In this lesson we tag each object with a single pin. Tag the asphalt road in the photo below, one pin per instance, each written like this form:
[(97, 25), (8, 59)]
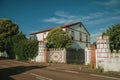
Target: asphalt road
[(16, 70)]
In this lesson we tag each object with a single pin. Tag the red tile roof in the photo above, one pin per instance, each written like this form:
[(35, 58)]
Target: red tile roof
[(65, 26)]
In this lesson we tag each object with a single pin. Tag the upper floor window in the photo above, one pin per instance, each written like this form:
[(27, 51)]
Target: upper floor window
[(87, 45), (86, 38), (72, 35), (44, 36), (80, 36), (80, 26), (33, 37)]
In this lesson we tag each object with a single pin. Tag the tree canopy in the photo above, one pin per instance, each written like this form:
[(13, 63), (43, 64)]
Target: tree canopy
[(57, 38), (7, 29), (114, 34), (15, 42)]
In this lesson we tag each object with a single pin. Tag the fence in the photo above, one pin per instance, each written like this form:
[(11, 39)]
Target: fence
[(56, 55), (111, 62), (59, 55), (75, 56)]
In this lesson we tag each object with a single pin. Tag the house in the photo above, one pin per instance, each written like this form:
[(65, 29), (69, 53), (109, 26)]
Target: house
[(76, 31)]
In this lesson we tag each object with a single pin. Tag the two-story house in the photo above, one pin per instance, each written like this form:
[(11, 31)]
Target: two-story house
[(76, 31)]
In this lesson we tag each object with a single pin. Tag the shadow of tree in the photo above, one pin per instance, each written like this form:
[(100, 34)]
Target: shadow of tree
[(5, 73)]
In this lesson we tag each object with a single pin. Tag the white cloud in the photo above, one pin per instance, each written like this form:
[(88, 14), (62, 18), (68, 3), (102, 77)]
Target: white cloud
[(108, 3), (93, 15), (64, 14), (58, 20), (62, 17), (116, 17), (99, 21), (112, 2)]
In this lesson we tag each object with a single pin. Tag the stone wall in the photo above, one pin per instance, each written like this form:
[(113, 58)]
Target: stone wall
[(111, 63), (106, 59)]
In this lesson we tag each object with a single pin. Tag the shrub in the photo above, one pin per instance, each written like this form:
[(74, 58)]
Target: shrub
[(21, 48), (99, 69), (26, 50)]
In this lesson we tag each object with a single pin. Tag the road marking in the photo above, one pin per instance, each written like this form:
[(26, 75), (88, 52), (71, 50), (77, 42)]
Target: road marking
[(68, 71), (71, 71), (24, 73), (105, 76), (40, 77)]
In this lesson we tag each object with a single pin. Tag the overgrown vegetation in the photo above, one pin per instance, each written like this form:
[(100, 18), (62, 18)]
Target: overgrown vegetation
[(26, 49), (57, 38), (7, 29), (91, 68), (15, 43), (114, 34), (10, 43), (99, 69)]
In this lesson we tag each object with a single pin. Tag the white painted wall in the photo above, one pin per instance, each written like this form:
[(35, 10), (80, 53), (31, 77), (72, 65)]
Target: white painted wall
[(110, 63), (40, 56), (4, 54), (87, 56), (40, 36), (53, 55), (104, 58)]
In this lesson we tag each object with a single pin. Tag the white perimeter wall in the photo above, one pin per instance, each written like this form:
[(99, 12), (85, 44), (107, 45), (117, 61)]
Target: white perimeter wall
[(3, 54), (109, 63)]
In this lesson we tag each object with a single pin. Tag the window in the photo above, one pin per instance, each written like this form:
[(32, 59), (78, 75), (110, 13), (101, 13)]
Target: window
[(72, 35), (80, 36), (86, 38), (33, 37), (44, 36), (80, 26), (86, 45)]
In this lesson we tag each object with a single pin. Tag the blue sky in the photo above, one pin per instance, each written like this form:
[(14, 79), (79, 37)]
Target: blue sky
[(36, 15)]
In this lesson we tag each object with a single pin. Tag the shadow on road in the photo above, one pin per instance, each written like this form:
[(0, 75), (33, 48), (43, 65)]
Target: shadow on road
[(5, 73)]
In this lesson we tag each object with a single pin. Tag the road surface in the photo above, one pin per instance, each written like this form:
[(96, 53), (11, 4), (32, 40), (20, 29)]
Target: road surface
[(16, 70)]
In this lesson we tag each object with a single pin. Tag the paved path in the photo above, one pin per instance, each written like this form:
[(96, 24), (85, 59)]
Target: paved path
[(16, 70)]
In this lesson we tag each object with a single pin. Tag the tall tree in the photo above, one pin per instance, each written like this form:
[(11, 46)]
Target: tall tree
[(10, 43), (114, 34), (57, 38), (7, 29)]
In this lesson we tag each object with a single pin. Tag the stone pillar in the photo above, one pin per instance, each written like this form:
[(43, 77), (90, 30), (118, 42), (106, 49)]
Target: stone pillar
[(93, 56), (45, 55)]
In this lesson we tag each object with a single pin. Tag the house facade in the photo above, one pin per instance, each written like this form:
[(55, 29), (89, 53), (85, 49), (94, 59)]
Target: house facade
[(76, 32)]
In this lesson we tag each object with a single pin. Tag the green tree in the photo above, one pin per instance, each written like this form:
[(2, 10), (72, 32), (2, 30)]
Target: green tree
[(57, 38), (15, 43), (114, 34), (7, 29), (10, 43), (26, 49)]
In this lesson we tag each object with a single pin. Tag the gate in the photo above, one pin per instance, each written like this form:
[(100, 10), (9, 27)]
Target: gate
[(57, 55), (75, 57)]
